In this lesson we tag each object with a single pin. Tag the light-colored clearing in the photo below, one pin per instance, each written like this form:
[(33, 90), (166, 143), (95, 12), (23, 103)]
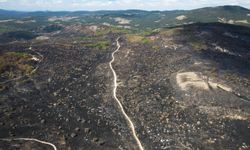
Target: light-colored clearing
[(242, 21), (181, 17), (187, 80), (64, 18), (42, 38), (224, 50), (224, 20), (120, 20), (27, 21), (93, 28), (198, 63), (3, 21), (231, 21), (173, 46), (190, 79), (35, 58), (157, 21), (106, 24)]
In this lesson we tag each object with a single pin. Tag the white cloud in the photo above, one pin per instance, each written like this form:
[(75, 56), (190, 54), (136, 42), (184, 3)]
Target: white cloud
[(3, 1)]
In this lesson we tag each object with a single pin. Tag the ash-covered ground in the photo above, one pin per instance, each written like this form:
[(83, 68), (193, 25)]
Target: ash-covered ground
[(184, 88)]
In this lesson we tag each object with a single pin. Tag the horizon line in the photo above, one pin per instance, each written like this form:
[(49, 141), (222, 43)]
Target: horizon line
[(135, 9)]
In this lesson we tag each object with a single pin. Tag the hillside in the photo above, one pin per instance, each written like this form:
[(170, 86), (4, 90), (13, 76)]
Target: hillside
[(130, 18), (117, 79)]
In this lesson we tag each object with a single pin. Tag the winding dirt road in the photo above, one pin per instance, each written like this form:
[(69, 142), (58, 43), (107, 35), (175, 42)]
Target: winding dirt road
[(31, 139), (131, 125)]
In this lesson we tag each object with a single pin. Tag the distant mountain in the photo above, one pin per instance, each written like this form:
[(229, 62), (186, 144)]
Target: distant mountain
[(11, 12), (224, 14), (221, 13), (146, 19)]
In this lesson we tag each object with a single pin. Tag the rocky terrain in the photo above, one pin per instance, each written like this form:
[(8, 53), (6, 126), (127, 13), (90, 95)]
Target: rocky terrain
[(187, 93), (183, 87)]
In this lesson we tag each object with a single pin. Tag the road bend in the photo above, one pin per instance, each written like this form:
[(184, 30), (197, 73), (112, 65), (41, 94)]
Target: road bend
[(31, 139), (131, 124)]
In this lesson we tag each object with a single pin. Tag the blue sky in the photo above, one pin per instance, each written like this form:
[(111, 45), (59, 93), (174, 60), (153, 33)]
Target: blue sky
[(32, 5)]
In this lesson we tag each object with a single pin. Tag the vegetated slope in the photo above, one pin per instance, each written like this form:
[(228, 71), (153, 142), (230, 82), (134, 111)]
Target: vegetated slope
[(130, 18), (212, 14)]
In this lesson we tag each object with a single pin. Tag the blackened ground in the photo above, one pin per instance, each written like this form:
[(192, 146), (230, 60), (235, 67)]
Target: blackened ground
[(68, 101), (168, 117)]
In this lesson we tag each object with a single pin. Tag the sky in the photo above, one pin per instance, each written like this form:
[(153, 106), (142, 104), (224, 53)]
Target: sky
[(71, 5)]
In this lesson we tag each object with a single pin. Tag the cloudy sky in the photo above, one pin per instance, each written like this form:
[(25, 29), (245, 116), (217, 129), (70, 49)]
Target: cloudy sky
[(31, 5)]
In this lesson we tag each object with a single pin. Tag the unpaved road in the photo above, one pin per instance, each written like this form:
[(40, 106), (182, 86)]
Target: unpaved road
[(131, 125)]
